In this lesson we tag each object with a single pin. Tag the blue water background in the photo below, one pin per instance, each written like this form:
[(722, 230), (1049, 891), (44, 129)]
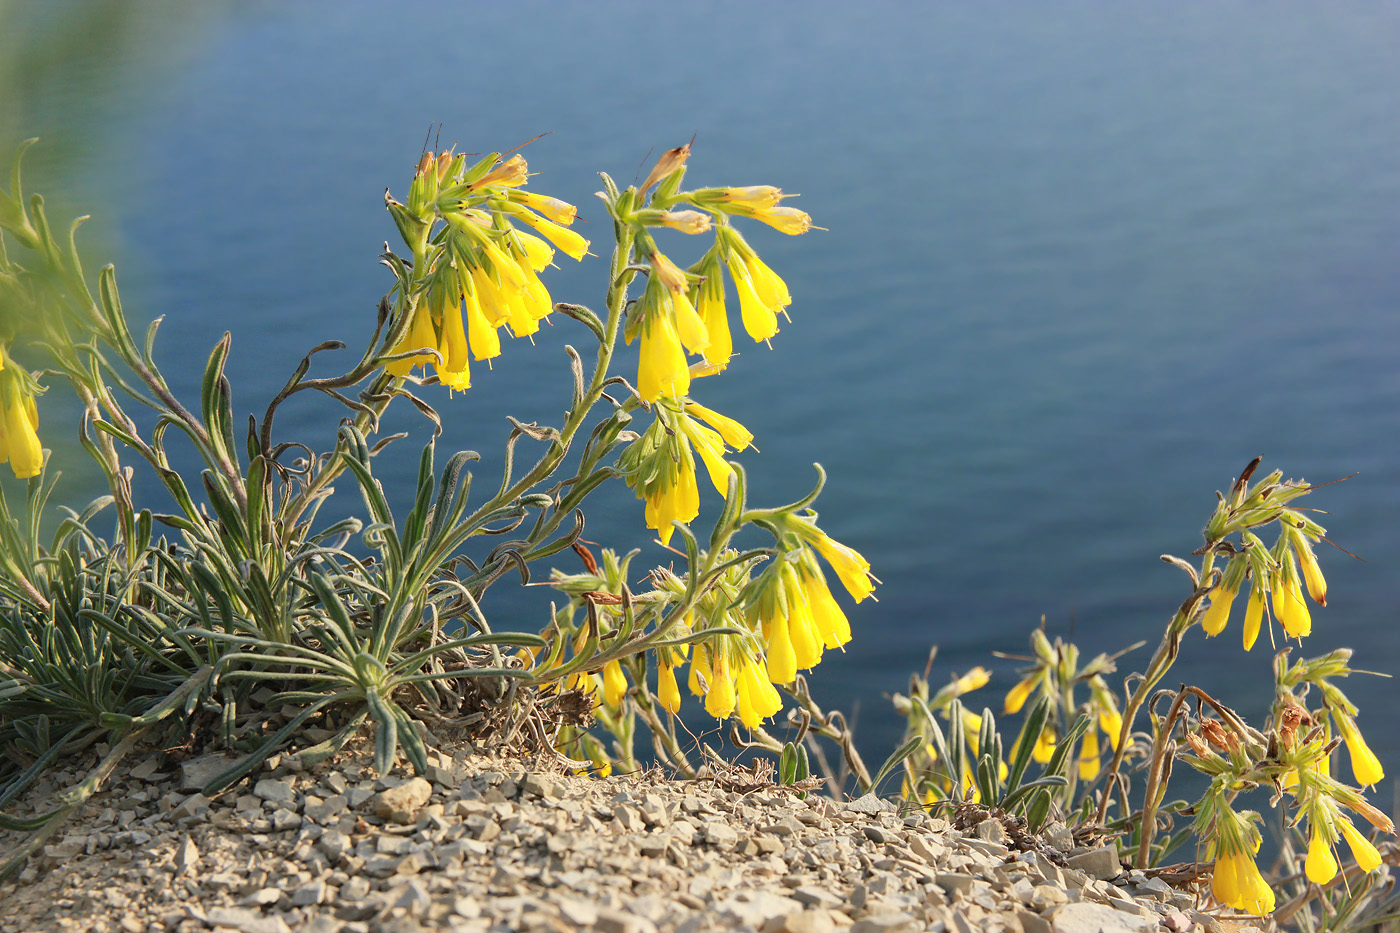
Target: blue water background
[(1083, 261)]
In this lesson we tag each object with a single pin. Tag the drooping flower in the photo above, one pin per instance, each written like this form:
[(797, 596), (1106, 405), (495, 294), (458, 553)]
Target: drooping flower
[(1321, 864), (614, 683), (1312, 573), (851, 568), (663, 370), (1289, 608), (1218, 613), (1016, 697), (1365, 766), (1367, 858), (1253, 615), (1236, 881), (660, 466)]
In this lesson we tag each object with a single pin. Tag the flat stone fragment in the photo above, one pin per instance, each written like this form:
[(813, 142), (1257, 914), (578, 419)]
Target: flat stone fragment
[(1100, 863), (616, 921), (887, 923), (246, 921), (401, 804), (802, 921), (276, 790), (870, 804), (1085, 917)]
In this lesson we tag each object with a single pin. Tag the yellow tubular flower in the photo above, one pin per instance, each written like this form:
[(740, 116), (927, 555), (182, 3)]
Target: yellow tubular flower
[(662, 369), (567, 240), (757, 698), (485, 342), (689, 325), (760, 321), (1016, 697), (699, 672), (1238, 884), (831, 622), (1213, 622), (1111, 722), (561, 212), (1321, 865), (494, 304), (711, 449), (757, 197), (614, 683), (420, 334), (1044, 746), (453, 371), (687, 221), (973, 680), (678, 502), (851, 568), (721, 699), (537, 252), (806, 643), (21, 438), (1253, 615), (782, 663), (1367, 858), (1312, 573), (787, 220), (668, 693), (1289, 608), (512, 173), (771, 289), (710, 306), (1365, 767), (734, 433), (1089, 756)]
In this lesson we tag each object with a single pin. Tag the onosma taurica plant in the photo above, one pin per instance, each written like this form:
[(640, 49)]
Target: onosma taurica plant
[(229, 615)]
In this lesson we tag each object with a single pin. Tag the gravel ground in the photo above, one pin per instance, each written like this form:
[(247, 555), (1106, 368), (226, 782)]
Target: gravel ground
[(482, 844)]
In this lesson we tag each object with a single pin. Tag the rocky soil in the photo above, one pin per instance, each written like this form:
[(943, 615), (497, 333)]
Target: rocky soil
[(484, 844)]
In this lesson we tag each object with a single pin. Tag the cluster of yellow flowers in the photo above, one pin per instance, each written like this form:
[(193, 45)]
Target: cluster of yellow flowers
[(1274, 578), (483, 273), (1055, 673), (19, 420)]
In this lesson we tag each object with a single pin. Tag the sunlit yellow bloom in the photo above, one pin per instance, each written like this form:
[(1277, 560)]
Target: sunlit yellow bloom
[(512, 173), (662, 369), (1215, 617), (757, 698), (689, 325), (973, 680), (1321, 865), (710, 446), (734, 433), (782, 662), (767, 284), (567, 240), (485, 342), (1238, 884), (722, 698), (453, 372), (20, 441), (538, 253), (710, 306), (1289, 608), (1044, 746), (679, 502), (668, 273), (851, 568), (787, 220), (1365, 767), (831, 621), (760, 321), (667, 691), (1016, 697), (1312, 573), (699, 680), (1089, 755), (491, 298), (1361, 849), (561, 212), (691, 222), (614, 683), (1253, 615), (758, 197), (1111, 722), (420, 334)]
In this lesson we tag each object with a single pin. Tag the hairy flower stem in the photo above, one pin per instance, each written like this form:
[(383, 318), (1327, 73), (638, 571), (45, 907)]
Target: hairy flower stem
[(1161, 663)]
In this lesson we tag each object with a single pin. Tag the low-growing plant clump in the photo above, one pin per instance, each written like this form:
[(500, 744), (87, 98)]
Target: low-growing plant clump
[(238, 619)]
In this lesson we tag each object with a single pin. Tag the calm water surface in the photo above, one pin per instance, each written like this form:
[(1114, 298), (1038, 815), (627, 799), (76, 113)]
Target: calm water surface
[(1083, 262)]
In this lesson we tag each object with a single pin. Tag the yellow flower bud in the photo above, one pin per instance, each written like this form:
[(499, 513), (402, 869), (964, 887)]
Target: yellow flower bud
[(667, 691), (1218, 613), (614, 683), (972, 680), (1312, 573), (1365, 766), (561, 212), (754, 196), (1367, 858), (671, 160), (1016, 697), (1321, 865), (691, 222), (1253, 615)]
